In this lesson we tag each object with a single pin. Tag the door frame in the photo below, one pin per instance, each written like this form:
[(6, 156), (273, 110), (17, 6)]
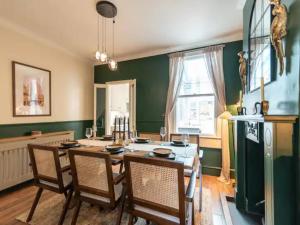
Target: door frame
[(132, 107)]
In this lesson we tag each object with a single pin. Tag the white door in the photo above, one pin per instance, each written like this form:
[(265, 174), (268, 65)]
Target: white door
[(118, 99)]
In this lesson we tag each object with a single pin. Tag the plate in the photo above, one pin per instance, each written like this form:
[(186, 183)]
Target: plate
[(172, 156), (116, 151), (178, 142), (162, 152), (142, 140), (179, 145), (114, 147), (69, 143), (107, 137)]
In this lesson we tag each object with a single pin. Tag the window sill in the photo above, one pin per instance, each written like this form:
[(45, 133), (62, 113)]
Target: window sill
[(210, 142)]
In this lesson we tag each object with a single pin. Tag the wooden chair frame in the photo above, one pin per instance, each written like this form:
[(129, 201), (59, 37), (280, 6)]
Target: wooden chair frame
[(183, 196), (197, 136), (78, 188), (67, 190)]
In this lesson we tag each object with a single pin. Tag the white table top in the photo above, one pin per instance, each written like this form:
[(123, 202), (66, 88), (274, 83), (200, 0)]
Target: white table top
[(190, 151)]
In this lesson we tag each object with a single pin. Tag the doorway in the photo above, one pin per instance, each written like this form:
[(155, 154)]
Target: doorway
[(111, 100)]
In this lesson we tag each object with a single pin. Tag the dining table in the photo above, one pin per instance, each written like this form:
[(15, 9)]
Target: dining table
[(187, 155)]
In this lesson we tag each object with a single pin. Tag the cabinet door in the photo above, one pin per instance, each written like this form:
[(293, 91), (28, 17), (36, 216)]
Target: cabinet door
[(268, 158)]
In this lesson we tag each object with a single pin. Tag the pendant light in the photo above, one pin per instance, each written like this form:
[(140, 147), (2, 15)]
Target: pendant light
[(112, 63), (106, 10)]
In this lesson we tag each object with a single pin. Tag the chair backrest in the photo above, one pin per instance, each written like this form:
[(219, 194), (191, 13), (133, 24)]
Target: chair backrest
[(194, 138), (156, 184), (120, 135), (92, 173), (152, 136), (46, 165)]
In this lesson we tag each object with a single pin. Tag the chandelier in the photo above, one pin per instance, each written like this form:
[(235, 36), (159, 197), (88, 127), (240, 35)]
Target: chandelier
[(106, 11)]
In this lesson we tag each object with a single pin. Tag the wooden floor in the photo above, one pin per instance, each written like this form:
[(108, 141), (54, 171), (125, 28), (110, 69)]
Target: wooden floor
[(14, 203)]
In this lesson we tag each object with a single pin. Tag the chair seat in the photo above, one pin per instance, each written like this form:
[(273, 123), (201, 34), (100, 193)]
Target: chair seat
[(67, 180), (157, 214), (117, 189)]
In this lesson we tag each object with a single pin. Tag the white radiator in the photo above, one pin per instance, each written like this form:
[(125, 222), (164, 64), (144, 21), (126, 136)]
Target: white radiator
[(14, 157)]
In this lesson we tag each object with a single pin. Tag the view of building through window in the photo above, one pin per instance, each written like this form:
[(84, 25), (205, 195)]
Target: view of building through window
[(195, 106)]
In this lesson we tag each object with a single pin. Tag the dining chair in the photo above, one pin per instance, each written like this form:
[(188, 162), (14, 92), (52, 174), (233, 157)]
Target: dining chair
[(94, 181), (152, 136), (156, 191), (194, 139), (50, 175)]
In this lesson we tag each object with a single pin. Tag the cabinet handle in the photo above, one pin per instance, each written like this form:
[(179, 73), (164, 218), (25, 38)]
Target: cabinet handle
[(268, 155)]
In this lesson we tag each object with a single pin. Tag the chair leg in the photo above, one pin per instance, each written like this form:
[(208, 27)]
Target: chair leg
[(200, 188), (65, 208), (123, 199), (76, 212), (130, 221), (193, 213), (34, 204)]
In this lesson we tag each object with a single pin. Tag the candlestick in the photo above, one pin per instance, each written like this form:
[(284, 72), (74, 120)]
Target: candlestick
[(262, 88), (115, 128), (119, 128), (241, 98), (128, 128), (124, 128)]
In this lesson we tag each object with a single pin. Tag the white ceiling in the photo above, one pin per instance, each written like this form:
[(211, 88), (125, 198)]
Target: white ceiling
[(143, 27)]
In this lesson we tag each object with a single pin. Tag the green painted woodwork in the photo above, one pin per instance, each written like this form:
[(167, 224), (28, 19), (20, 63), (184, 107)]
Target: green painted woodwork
[(240, 161), (15, 130), (283, 93), (152, 76)]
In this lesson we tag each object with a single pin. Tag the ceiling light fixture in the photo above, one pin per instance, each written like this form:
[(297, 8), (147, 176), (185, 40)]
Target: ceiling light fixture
[(106, 10)]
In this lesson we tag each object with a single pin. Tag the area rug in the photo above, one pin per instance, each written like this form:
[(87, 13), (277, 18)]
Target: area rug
[(48, 212)]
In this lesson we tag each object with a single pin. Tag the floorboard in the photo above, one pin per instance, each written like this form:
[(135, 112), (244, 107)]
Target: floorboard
[(14, 203)]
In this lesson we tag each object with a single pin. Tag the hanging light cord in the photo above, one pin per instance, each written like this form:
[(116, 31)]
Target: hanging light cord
[(98, 33), (113, 53)]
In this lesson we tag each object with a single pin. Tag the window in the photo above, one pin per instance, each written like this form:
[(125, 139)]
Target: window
[(195, 106)]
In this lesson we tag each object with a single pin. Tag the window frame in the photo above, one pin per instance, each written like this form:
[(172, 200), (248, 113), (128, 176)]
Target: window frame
[(193, 96)]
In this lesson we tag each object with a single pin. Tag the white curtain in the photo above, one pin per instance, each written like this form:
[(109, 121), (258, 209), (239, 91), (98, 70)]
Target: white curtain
[(214, 63), (175, 76)]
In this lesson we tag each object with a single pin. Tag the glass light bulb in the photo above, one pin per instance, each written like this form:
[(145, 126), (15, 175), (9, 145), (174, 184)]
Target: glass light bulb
[(113, 65), (97, 55), (103, 57)]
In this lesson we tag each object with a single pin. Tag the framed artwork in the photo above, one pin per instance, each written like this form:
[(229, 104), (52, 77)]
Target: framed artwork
[(31, 90)]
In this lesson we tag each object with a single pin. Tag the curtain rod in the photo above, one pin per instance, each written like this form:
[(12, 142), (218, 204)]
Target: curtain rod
[(196, 49)]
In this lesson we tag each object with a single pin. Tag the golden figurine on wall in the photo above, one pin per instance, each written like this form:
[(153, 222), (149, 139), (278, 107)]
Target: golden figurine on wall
[(279, 30), (243, 69)]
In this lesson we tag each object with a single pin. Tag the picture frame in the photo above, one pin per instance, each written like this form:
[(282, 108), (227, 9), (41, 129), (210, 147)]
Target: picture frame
[(31, 88)]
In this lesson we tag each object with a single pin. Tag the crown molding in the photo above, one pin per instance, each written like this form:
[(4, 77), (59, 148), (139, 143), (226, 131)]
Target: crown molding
[(236, 36), (31, 35)]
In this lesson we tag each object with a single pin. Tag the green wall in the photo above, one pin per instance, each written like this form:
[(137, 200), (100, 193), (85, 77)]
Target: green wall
[(15, 130), (152, 77)]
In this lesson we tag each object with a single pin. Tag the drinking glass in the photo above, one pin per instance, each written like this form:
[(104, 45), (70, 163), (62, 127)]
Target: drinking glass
[(185, 137), (88, 132), (133, 136), (163, 132)]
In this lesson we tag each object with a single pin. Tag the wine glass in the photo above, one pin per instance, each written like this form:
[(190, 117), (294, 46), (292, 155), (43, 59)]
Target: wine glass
[(163, 132), (88, 132), (185, 137), (133, 136)]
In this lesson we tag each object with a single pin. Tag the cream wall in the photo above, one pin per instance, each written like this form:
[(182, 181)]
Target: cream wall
[(72, 78)]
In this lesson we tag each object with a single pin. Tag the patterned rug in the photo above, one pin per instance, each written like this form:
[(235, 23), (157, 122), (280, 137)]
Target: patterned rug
[(48, 212)]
